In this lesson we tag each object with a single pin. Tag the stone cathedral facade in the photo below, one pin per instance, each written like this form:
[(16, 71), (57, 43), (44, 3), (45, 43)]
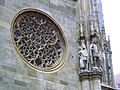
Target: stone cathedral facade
[(54, 45)]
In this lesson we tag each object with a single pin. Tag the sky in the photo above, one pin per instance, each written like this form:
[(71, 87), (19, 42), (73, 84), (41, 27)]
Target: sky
[(111, 12)]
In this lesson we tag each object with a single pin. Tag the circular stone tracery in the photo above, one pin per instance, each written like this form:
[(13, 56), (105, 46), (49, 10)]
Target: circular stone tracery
[(39, 40)]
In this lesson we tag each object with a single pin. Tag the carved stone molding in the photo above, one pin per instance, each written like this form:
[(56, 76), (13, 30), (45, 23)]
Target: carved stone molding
[(96, 75), (86, 75)]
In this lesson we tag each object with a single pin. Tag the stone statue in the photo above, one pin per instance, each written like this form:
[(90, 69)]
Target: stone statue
[(83, 54), (95, 56)]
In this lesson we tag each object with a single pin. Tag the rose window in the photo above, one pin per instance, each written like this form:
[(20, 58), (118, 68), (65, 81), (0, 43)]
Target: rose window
[(39, 40)]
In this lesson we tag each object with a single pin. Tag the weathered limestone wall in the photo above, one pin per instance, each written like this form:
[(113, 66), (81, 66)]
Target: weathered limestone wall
[(14, 74)]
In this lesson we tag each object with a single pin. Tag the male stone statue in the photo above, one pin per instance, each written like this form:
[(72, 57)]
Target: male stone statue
[(83, 54), (94, 54)]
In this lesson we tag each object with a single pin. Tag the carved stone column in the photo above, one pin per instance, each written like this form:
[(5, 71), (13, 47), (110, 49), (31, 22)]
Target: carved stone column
[(85, 79), (96, 77), (91, 80)]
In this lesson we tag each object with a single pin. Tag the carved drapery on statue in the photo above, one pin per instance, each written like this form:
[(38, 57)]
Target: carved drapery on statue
[(83, 56)]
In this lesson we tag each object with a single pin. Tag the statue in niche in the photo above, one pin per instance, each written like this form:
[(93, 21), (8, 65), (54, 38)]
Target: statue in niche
[(83, 55), (95, 56)]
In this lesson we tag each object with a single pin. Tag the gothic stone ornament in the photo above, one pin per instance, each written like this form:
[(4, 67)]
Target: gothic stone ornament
[(39, 40)]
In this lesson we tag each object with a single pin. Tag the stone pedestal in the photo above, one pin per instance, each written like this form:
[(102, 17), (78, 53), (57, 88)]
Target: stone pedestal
[(91, 80), (85, 79), (96, 78), (85, 85), (96, 84)]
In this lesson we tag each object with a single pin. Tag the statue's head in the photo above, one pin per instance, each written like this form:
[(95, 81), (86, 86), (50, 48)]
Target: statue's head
[(83, 47)]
